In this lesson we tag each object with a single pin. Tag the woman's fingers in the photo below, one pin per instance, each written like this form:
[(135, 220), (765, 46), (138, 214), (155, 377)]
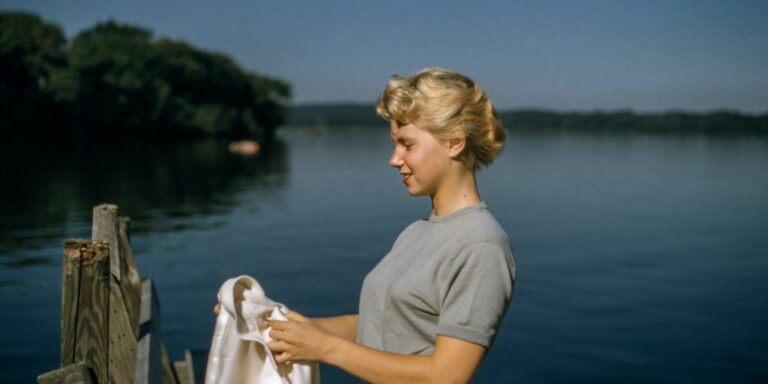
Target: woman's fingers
[(281, 351), (217, 308), (282, 358), (277, 346), (295, 316), (281, 325), (276, 334)]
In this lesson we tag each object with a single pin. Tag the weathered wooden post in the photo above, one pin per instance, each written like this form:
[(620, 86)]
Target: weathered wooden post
[(101, 299), (123, 296), (110, 318), (131, 279), (84, 306)]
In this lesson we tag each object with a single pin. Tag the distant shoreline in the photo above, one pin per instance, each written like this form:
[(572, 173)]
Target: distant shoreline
[(716, 122)]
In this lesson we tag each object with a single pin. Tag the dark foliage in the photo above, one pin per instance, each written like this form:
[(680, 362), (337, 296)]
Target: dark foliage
[(31, 51), (116, 80)]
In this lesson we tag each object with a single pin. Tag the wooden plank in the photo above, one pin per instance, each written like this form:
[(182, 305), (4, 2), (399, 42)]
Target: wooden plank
[(131, 281), (125, 299), (90, 340), (80, 373), (148, 363), (169, 373), (70, 299), (144, 372), (153, 365), (182, 371), (122, 339), (105, 228), (192, 369), (198, 361)]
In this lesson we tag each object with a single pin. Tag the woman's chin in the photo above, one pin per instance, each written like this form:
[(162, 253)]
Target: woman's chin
[(415, 192)]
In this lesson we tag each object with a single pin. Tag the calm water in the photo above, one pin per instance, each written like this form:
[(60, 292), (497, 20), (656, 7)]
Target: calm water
[(641, 258)]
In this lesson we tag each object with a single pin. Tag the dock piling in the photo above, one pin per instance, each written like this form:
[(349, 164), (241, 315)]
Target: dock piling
[(110, 317)]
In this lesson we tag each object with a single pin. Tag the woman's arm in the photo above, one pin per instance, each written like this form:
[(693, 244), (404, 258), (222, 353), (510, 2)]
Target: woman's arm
[(299, 339), (453, 361), (342, 326)]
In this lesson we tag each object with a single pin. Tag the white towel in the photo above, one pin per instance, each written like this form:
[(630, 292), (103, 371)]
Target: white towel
[(239, 352)]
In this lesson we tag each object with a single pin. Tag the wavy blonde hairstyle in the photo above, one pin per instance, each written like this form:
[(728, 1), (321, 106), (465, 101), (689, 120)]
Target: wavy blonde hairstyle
[(447, 105)]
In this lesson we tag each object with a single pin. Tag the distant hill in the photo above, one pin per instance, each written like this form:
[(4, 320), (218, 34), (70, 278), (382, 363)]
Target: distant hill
[(718, 122), (335, 114)]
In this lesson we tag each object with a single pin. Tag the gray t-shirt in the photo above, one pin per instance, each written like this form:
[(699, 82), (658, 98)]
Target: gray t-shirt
[(450, 275)]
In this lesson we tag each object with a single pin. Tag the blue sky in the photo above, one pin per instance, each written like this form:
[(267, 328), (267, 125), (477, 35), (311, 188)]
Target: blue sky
[(648, 55)]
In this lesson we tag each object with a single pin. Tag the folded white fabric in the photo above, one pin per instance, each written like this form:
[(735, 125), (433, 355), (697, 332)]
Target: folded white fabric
[(239, 352)]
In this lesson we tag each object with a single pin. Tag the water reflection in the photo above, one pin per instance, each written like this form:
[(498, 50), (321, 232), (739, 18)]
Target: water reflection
[(50, 189)]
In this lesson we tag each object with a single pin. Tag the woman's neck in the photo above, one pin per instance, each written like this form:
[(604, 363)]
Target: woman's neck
[(458, 193)]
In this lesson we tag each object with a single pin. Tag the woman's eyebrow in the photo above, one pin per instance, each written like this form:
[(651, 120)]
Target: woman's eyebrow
[(400, 137), (401, 140)]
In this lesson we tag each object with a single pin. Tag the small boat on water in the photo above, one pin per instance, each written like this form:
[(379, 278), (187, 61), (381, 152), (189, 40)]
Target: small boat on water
[(244, 147)]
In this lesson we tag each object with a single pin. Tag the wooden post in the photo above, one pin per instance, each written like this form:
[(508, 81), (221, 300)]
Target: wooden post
[(153, 365), (110, 319), (131, 283), (85, 306), (80, 373), (123, 294), (105, 228)]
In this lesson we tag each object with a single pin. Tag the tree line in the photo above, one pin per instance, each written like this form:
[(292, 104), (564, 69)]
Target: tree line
[(118, 80), (716, 122)]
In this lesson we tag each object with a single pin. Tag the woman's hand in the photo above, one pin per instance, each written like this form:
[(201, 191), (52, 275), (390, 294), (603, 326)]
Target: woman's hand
[(299, 339)]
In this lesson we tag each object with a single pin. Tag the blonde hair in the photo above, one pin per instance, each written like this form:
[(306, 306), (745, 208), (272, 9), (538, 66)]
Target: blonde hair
[(447, 105)]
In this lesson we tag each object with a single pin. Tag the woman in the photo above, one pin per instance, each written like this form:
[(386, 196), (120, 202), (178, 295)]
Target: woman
[(431, 308)]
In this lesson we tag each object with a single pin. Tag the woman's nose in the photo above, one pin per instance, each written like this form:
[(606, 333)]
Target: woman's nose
[(395, 160)]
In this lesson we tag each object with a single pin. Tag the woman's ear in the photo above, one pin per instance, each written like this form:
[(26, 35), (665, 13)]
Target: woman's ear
[(456, 147)]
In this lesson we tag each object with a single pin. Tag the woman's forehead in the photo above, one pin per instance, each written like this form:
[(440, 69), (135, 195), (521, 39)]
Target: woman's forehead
[(399, 131)]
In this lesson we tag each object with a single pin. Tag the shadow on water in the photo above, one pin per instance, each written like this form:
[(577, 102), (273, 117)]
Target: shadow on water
[(50, 186)]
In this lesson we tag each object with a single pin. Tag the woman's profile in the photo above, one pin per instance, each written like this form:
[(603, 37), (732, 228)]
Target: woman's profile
[(431, 308)]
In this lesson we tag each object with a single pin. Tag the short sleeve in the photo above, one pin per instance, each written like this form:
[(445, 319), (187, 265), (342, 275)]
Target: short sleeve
[(475, 289)]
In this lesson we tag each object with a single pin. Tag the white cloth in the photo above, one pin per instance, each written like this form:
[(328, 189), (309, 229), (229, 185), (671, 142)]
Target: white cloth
[(239, 352)]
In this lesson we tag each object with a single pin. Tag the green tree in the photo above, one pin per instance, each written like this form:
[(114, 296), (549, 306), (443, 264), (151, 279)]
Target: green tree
[(209, 93), (269, 98), (122, 82), (116, 80), (31, 51), (110, 81)]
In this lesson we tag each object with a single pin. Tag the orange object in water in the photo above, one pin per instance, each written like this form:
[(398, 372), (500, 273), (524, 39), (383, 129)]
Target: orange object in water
[(244, 147)]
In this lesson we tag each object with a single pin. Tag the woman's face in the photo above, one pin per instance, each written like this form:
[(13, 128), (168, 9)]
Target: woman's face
[(422, 159)]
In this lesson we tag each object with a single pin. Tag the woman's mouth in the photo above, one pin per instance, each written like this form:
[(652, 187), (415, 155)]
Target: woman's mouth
[(406, 177)]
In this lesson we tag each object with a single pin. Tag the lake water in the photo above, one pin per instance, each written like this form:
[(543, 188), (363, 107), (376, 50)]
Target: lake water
[(641, 258)]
